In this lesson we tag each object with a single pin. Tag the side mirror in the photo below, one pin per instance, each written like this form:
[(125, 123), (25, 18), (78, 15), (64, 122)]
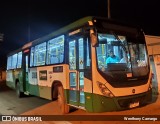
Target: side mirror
[(94, 39)]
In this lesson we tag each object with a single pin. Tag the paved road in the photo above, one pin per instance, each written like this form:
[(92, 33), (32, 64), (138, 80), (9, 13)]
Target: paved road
[(10, 104), (33, 108), (152, 109)]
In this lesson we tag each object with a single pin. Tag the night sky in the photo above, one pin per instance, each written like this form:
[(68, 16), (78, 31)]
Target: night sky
[(41, 17)]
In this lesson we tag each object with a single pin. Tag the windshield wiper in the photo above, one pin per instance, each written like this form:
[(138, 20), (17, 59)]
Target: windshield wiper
[(121, 43)]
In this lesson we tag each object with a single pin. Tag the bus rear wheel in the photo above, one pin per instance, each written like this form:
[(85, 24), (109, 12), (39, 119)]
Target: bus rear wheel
[(18, 92), (64, 108)]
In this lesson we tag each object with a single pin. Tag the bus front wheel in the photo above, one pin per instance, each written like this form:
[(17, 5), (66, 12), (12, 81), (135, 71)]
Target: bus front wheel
[(64, 108)]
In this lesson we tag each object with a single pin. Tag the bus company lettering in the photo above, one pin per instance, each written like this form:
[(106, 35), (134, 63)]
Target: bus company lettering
[(141, 63), (43, 75)]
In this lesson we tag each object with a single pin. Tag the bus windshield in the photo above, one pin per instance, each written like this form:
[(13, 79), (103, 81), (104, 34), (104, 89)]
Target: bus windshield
[(119, 56)]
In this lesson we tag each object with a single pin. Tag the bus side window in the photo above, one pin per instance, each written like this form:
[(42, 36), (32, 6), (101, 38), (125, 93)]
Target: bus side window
[(39, 54), (9, 63), (31, 57), (55, 50), (81, 53), (61, 53), (35, 55), (14, 61), (88, 58), (72, 55), (19, 63), (54, 58)]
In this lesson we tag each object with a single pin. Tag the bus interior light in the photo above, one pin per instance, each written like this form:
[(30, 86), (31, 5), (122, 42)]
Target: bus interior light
[(105, 91)]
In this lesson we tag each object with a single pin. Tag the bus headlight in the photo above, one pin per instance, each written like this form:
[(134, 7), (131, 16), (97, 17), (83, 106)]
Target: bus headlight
[(105, 91)]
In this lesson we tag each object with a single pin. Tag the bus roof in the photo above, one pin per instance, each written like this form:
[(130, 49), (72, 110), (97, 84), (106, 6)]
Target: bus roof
[(64, 29), (75, 25), (60, 31)]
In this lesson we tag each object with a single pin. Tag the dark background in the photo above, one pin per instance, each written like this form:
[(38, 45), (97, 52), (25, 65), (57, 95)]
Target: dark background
[(22, 21)]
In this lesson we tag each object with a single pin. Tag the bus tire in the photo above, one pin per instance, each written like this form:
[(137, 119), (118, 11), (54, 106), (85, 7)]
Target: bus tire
[(18, 92), (64, 108)]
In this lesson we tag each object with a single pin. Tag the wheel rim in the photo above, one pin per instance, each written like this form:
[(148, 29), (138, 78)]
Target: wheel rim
[(64, 108), (60, 102)]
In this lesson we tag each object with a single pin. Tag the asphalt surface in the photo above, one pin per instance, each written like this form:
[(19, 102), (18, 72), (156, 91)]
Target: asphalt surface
[(10, 104), (50, 109)]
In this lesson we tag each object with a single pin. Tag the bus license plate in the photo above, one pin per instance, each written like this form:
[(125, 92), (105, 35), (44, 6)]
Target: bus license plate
[(135, 104)]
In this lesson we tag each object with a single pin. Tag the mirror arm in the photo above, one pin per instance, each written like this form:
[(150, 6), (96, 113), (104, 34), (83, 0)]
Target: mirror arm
[(94, 39)]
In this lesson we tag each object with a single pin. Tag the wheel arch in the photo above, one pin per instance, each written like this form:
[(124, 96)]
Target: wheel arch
[(54, 89), (16, 81), (20, 93)]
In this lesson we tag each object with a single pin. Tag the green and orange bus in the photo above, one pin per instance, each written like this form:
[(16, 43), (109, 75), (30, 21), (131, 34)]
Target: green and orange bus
[(70, 65)]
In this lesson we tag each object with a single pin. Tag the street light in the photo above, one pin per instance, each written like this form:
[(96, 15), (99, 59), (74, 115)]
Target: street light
[(109, 13)]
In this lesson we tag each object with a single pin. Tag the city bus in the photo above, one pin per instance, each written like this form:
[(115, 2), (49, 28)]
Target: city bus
[(70, 65)]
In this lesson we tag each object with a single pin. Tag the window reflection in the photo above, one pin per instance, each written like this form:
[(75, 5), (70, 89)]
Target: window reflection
[(116, 53), (55, 50)]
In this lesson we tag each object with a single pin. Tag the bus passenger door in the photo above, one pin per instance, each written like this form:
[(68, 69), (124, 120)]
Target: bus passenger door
[(25, 71), (76, 72)]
